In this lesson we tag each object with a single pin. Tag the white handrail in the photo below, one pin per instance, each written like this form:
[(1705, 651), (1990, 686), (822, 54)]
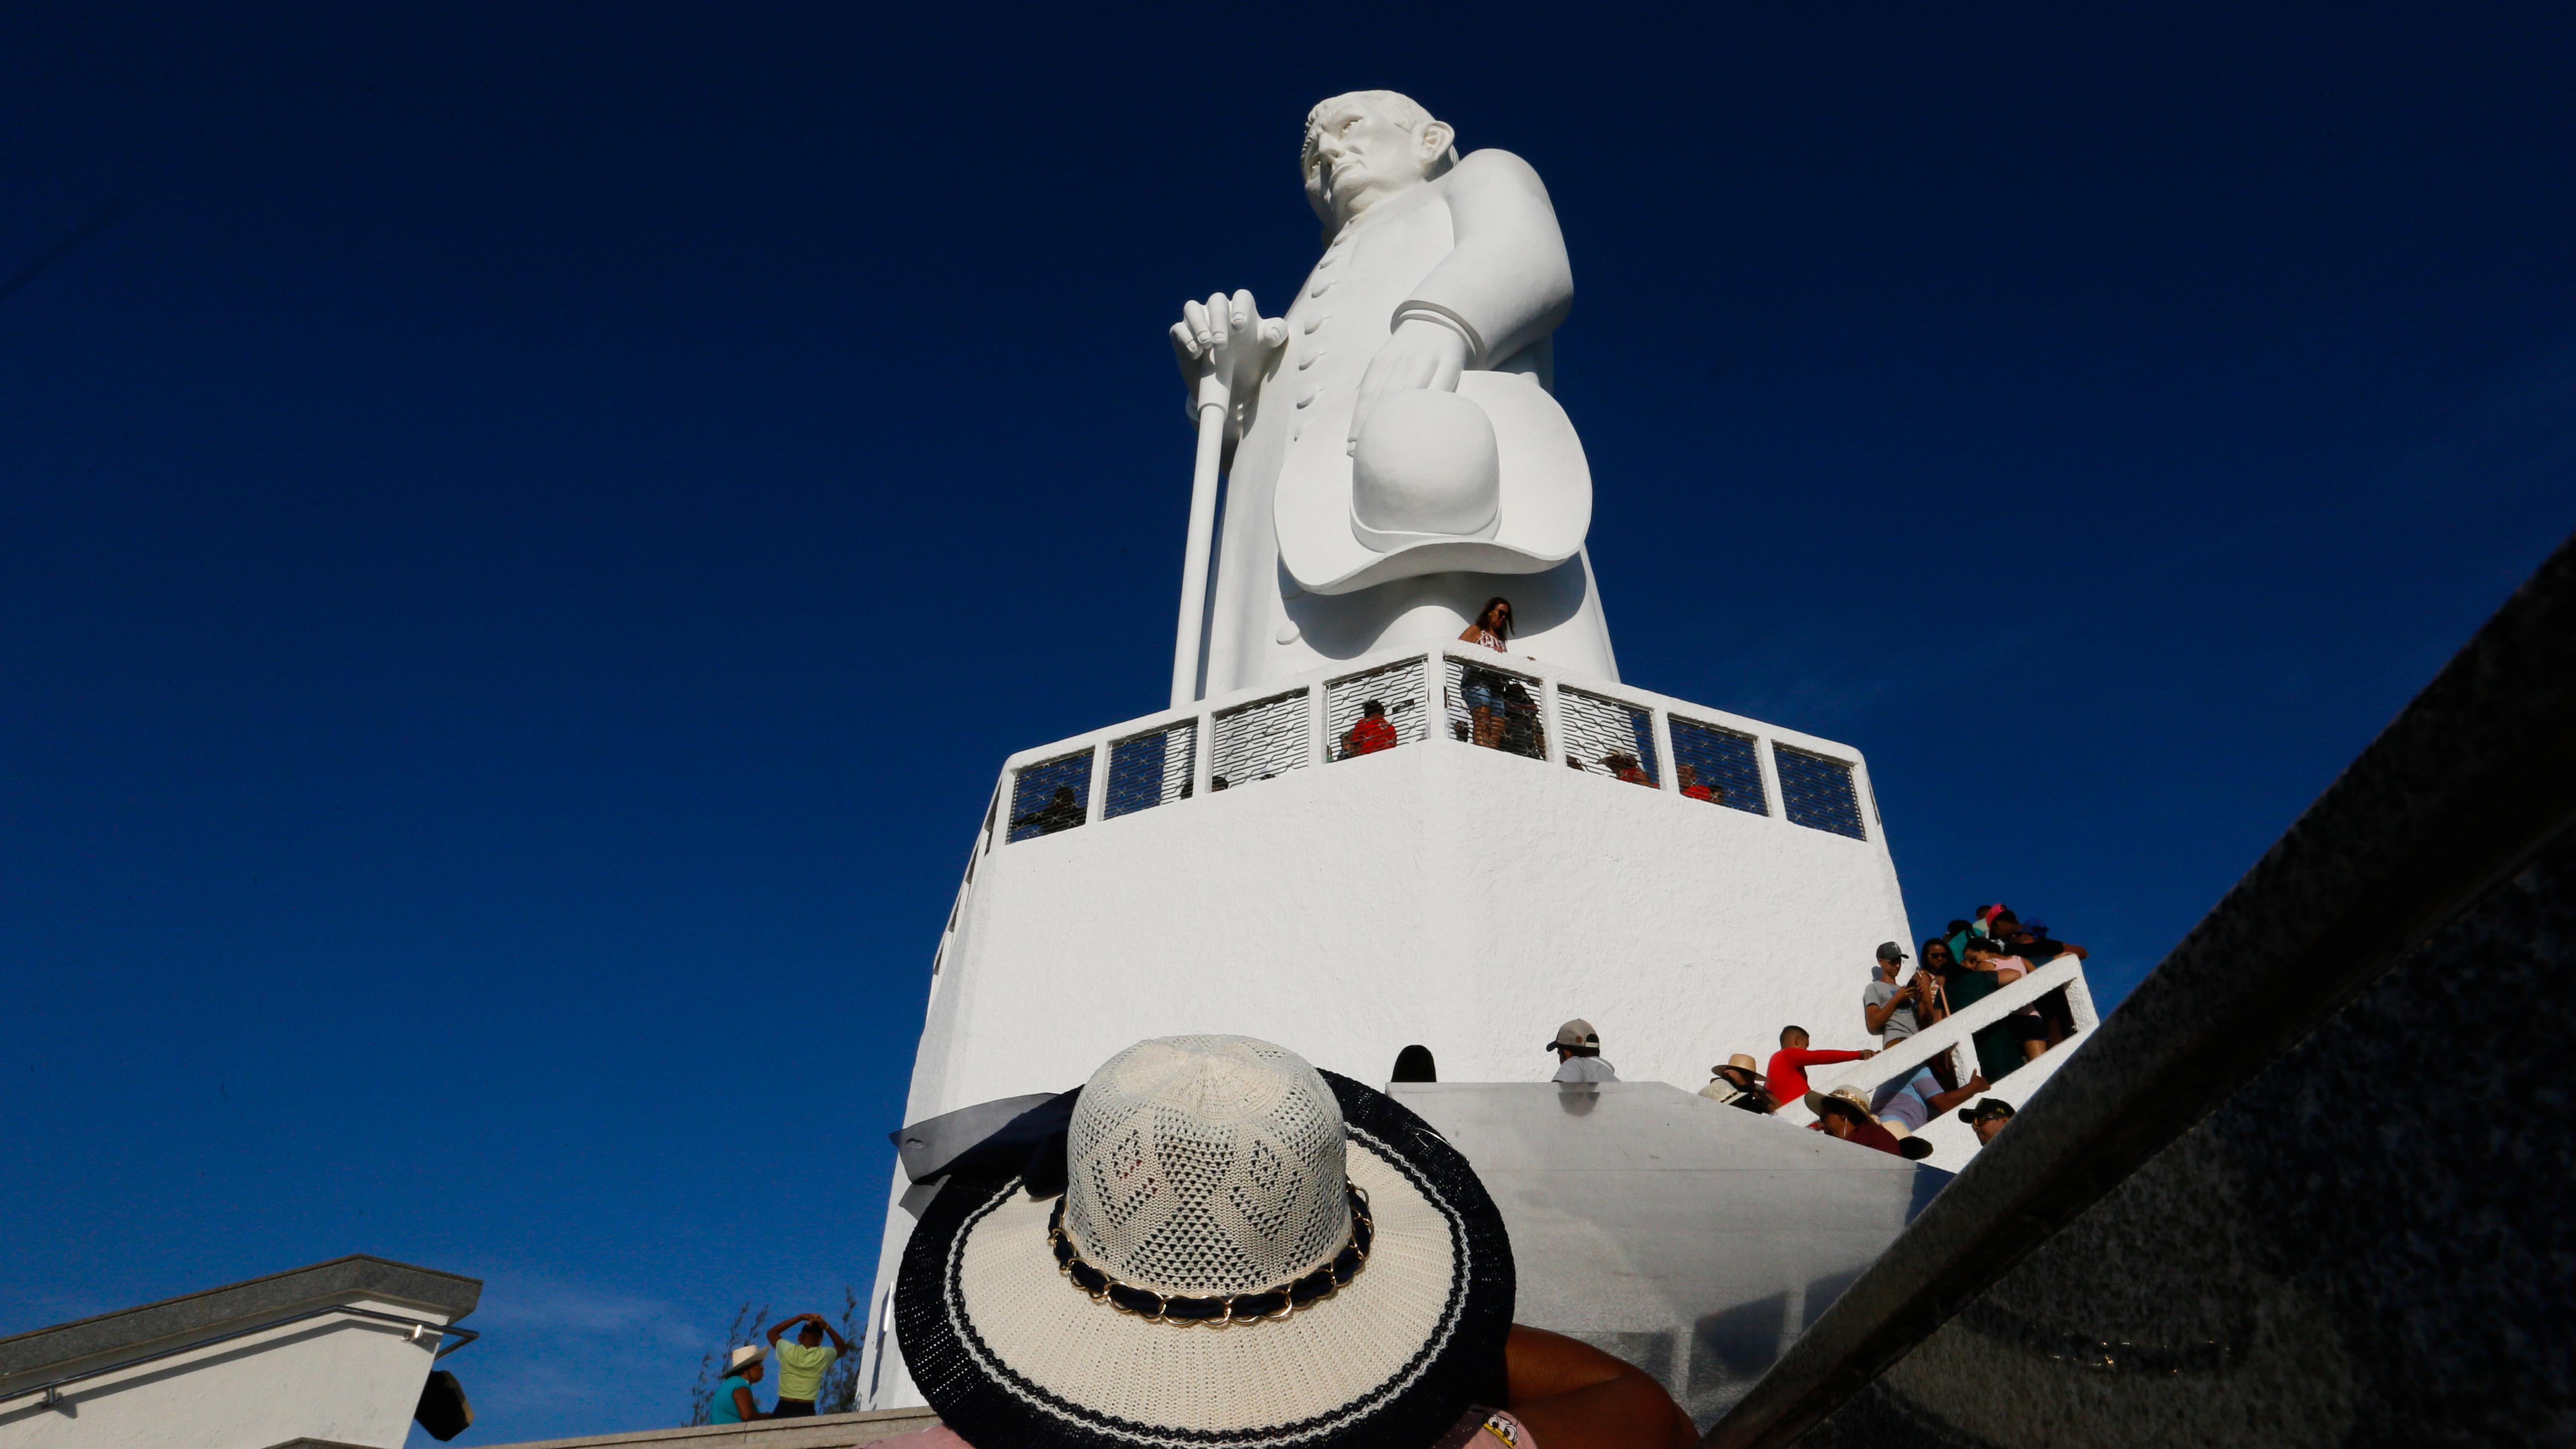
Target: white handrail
[(1899, 1062), (1551, 675), (1550, 682)]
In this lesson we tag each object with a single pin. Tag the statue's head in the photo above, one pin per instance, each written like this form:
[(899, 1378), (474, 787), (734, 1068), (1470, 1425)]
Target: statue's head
[(1363, 147)]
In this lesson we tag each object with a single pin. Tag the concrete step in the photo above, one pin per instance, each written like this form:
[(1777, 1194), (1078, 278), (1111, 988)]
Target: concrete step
[(823, 1431)]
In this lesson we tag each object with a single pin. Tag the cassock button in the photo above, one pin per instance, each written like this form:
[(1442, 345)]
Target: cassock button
[(1316, 321), (1309, 359)]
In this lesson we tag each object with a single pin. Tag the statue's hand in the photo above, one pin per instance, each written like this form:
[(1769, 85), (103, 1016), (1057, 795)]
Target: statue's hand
[(1419, 354), (1225, 346)]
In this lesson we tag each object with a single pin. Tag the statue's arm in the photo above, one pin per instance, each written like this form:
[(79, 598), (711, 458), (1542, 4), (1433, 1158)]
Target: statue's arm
[(1507, 283)]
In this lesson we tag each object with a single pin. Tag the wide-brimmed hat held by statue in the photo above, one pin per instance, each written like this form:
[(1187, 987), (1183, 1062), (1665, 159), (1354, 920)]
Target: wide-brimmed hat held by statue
[(1488, 479), (1224, 1246)]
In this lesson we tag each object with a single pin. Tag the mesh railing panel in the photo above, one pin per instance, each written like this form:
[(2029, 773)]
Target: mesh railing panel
[(1150, 770), (1051, 795), (1258, 740), (1817, 792), (1396, 689), (1718, 765), (1492, 707), (1606, 737)]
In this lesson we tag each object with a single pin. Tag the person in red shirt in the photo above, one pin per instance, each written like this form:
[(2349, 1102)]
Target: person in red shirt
[(1625, 767), (1787, 1079), (1371, 734), (1693, 789)]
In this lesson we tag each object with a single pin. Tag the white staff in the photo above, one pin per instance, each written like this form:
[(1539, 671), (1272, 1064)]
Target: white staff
[(1226, 346)]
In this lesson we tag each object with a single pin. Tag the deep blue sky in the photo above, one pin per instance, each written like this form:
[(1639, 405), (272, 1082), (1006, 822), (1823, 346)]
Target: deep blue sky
[(526, 531)]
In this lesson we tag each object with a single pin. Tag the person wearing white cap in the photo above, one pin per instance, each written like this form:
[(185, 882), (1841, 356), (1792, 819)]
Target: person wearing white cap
[(733, 1403), (1214, 1243), (1578, 1054)]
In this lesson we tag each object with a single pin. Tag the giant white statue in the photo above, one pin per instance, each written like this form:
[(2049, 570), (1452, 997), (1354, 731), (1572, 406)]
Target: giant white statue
[(1397, 455)]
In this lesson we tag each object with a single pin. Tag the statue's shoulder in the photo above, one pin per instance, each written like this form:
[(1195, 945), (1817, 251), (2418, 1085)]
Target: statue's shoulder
[(1493, 169)]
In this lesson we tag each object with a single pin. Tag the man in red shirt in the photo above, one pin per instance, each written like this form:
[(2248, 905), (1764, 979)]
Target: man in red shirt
[(1787, 1079), (1371, 734)]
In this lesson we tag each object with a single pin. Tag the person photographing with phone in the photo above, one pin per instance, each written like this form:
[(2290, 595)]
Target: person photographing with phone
[(1892, 1012)]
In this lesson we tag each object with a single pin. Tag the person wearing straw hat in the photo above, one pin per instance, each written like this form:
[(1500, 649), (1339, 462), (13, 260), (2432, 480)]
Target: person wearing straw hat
[(1221, 1245), (1844, 1113), (733, 1403), (1737, 1084)]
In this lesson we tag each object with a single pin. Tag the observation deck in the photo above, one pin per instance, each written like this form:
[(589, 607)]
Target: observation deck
[(1663, 869)]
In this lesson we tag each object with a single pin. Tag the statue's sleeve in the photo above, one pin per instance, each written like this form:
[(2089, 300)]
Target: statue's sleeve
[(1506, 283)]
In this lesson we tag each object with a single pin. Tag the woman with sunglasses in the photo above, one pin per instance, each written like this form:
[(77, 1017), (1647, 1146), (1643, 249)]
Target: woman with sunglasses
[(1483, 688)]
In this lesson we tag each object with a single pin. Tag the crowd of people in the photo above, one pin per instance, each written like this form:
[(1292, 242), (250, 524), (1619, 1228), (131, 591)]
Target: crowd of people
[(1972, 960), (1978, 957)]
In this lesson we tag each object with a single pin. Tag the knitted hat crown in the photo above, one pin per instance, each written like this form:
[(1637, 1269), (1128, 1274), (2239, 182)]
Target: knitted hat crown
[(1206, 1165)]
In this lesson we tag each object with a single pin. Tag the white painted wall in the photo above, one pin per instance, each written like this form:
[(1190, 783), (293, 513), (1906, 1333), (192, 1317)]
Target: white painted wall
[(1438, 893), (341, 1380)]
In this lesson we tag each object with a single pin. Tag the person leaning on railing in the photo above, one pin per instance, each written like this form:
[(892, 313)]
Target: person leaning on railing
[(1919, 1098), (1062, 812), (2031, 942), (1371, 734), (2000, 1046), (1786, 1081), (1484, 688), (2030, 1028)]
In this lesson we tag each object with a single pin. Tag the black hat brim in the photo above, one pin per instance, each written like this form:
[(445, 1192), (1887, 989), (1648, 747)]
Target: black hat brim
[(1460, 1364)]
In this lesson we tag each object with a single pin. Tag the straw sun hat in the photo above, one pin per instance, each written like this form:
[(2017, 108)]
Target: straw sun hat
[(1246, 1252)]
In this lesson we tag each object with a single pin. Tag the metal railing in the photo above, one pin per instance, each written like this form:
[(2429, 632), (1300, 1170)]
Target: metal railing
[(1529, 708), (1457, 694), (420, 1328)]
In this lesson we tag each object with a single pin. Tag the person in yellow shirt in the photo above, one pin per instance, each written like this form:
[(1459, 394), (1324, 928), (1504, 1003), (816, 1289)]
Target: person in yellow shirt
[(801, 1364)]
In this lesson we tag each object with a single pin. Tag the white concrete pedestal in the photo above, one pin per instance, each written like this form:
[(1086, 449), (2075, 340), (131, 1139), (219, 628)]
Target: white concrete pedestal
[(1437, 893)]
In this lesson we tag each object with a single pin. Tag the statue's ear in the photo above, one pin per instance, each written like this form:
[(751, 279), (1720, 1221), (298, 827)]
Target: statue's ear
[(1439, 141)]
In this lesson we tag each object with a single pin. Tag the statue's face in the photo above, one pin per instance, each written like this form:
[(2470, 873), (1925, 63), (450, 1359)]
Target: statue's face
[(1357, 156)]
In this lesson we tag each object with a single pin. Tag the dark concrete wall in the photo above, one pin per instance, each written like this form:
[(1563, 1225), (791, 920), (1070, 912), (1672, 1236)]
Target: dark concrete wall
[(2374, 1243)]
